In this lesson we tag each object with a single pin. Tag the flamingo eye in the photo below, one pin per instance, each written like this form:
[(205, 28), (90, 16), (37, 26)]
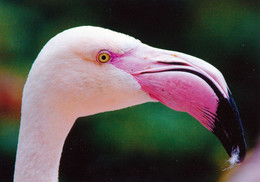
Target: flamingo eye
[(104, 57)]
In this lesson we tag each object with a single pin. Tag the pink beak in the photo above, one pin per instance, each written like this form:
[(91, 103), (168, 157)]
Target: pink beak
[(185, 83)]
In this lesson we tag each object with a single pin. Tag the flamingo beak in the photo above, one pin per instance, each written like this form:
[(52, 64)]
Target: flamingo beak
[(185, 83)]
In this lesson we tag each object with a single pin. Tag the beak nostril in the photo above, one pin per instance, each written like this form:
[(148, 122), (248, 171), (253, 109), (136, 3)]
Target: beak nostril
[(174, 63)]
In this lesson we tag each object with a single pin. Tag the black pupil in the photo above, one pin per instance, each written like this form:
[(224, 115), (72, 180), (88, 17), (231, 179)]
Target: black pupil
[(103, 57)]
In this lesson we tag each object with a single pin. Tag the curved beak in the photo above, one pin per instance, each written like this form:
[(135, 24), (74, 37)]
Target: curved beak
[(186, 83)]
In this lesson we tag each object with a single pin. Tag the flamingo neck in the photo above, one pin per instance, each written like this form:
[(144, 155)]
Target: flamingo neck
[(41, 139)]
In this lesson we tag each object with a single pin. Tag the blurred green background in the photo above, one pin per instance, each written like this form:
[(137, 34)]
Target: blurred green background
[(146, 143)]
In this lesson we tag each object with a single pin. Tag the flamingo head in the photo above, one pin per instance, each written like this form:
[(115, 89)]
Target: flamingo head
[(100, 70)]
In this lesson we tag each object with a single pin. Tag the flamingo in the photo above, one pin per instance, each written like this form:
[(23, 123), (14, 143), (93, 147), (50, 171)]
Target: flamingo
[(87, 70)]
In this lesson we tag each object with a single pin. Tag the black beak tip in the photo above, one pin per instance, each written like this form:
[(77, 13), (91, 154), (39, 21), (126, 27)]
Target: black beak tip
[(234, 144), (229, 130)]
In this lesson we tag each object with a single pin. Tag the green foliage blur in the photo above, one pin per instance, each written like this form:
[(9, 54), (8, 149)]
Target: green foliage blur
[(148, 142)]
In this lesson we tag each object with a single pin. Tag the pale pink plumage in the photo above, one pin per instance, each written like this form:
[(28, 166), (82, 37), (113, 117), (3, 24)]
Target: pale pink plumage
[(67, 81)]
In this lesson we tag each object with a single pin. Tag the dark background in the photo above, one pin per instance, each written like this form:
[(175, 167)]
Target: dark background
[(146, 143)]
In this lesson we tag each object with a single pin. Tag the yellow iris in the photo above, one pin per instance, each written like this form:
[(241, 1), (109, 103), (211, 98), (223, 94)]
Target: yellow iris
[(104, 57)]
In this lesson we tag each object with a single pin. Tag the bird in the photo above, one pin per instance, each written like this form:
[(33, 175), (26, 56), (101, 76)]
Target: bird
[(87, 70)]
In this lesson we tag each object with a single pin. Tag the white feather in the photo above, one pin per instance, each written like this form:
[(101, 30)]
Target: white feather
[(66, 82)]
